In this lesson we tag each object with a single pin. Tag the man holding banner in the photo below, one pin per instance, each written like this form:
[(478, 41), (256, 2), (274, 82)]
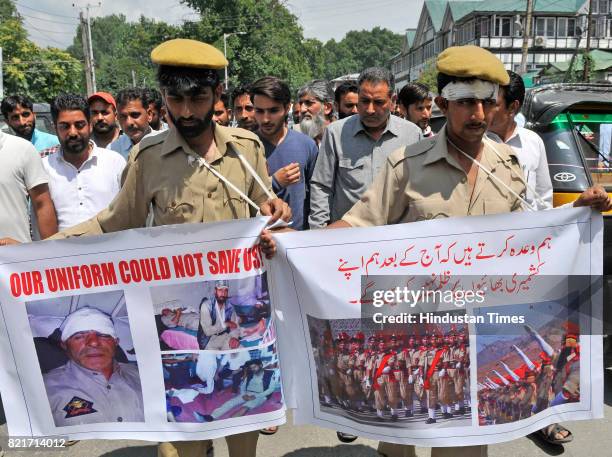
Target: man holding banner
[(194, 172), (457, 173)]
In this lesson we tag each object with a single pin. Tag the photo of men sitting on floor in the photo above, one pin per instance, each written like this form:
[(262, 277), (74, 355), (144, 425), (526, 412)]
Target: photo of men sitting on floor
[(215, 315), (87, 358), (206, 387)]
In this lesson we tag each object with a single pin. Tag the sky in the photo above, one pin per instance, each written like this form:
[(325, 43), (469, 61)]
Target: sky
[(54, 22)]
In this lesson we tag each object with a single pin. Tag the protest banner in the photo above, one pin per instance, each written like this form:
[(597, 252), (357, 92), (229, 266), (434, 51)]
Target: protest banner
[(445, 332), (155, 334)]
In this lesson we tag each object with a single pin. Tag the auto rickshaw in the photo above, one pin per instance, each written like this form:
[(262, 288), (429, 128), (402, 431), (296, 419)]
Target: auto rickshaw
[(575, 123)]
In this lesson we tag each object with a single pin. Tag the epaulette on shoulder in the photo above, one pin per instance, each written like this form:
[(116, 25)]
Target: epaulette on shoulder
[(412, 150), (150, 141), (507, 154)]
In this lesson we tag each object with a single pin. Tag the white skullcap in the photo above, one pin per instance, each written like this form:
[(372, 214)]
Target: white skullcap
[(87, 319)]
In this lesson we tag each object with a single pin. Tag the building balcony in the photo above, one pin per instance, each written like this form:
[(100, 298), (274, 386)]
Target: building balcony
[(543, 43)]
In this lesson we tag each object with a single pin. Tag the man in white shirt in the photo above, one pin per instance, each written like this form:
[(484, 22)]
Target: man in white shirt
[(22, 175), (527, 144), (83, 178)]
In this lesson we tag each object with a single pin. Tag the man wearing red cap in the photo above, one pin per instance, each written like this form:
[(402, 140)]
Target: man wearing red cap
[(103, 109)]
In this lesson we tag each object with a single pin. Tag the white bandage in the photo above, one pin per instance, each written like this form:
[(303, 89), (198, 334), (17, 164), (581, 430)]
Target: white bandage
[(87, 319), (477, 89)]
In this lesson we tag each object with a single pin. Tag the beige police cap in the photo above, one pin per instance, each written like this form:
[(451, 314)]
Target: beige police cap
[(472, 62), (188, 53)]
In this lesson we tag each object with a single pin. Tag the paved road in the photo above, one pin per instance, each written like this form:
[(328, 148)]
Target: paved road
[(592, 439)]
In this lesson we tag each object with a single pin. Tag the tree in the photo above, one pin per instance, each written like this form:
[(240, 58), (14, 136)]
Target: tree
[(40, 73), (272, 43), (120, 47), (429, 76)]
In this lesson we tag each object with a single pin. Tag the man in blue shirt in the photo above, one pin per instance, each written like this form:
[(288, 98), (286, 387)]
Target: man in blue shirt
[(134, 116), (290, 155), (18, 111)]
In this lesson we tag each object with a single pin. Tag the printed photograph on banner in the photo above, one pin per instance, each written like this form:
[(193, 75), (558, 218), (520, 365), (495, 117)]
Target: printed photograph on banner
[(215, 315), (536, 365), (393, 375), (206, 387), (87, 358)]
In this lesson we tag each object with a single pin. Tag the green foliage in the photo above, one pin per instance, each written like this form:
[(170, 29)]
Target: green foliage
[(120, 47), (359, 50), (40, 73), (429, 76)]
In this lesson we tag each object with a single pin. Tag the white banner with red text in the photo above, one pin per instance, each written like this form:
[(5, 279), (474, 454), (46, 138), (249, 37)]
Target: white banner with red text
[(154, 334)]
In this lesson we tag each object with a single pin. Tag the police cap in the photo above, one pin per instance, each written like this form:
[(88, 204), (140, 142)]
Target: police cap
[(188, 53), (472, 62)]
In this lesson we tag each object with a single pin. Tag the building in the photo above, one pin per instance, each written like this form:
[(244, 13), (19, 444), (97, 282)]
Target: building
[(558, 30)]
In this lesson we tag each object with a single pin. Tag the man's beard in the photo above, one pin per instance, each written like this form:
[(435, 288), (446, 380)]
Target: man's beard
[(192, 131), (102, 127), (78, 145), (24, 131), (313, 127)]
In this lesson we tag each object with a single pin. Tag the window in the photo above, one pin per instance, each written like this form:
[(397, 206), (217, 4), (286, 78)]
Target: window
[(603, 6), (566, 27), (502, 26), (545, 26), (485, 27)]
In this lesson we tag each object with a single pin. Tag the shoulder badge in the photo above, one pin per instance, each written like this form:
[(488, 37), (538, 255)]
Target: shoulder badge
[(412, 150), (78, 407), (149, 141)]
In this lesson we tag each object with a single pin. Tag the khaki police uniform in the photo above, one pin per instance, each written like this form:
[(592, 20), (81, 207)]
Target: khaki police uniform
[(167, 174), (423, 181)]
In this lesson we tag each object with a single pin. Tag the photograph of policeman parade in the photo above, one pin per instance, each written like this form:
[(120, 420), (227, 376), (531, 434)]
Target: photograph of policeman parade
[(87, 358), (214, 315), (531, 367), (396, 375), (206, 387)]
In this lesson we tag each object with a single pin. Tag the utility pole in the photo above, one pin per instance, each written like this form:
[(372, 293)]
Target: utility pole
[(90, 68), (133, 78), (526, 35), (586, 56), (88, 58)]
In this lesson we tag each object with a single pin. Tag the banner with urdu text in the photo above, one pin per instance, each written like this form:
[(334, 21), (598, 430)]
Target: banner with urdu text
[(446, 332)]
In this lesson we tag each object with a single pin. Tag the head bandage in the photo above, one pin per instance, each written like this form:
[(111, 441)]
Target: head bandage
[(477, 89), (87, 319)]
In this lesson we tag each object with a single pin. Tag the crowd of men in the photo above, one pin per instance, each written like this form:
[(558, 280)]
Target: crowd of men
[(518, 393), (332, 168), (401, 374)]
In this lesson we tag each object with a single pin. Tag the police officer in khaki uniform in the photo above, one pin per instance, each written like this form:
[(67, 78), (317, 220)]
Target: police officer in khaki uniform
[(438, 177), (194, 172)]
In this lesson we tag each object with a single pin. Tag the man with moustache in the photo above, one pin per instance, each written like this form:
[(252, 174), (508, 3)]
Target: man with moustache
[(182, 175), (346, 96), (134, 115), (92, 387), (355, 149), (104, 128), (316, 100), (18, 112), (415, 103), (83, 177), (291, 156), (439, 177), (243, 110), (156, 106), (223, 113)]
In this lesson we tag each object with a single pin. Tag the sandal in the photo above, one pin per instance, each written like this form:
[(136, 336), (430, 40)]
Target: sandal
[(548, 434), (269, 430)]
